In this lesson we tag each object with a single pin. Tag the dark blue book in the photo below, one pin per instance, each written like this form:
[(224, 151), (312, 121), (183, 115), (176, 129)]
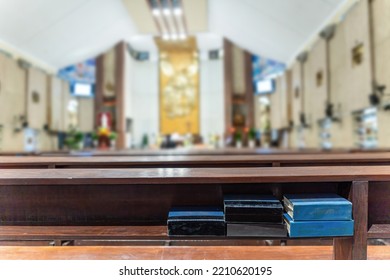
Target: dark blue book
[(272, 230), (317, 207), (318, 228), (248, 208), (196, 221)]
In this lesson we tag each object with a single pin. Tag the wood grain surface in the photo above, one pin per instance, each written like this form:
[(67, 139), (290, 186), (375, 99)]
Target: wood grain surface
[(162, 176), (81, 232), (360, 215), (379, 231), (210, 161), (180, 253)]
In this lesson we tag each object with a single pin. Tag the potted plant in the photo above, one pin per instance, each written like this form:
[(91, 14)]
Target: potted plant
[(74, 140), (95, 139), (113, 136), (252, 138), (238, 139), (145, 141)]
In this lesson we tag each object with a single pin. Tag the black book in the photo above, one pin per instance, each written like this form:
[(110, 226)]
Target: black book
[(253, 209), (196, 221), (256, 230)]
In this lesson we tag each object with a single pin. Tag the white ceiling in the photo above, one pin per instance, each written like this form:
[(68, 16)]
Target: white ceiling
[(276, 29), (62, 32), (195, 11)]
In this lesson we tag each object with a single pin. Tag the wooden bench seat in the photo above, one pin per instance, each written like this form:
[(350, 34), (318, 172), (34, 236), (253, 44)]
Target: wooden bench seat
[(128, 235), (141, 235), (209, 161), (106, 197), (81, 232), (180, 253)]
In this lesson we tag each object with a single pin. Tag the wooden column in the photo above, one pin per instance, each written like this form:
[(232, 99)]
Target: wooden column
[(360, 215), (250, 106), (120, 72), (250, 123), (99, 87), (289, 97), (342, 248), (355, 247), (228, 77)]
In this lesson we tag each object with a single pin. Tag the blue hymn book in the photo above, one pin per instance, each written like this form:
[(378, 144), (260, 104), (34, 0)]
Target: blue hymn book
[(318, 228), (317, 207)]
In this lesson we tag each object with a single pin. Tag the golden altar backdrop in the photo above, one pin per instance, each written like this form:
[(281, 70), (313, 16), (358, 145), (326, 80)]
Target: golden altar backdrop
[(179, 86)]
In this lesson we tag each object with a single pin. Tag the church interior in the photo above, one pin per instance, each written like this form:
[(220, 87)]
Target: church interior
[(194, 129)]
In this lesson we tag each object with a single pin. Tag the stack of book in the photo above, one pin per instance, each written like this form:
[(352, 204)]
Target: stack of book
[(254, 215), (318, 215), (196, 221)]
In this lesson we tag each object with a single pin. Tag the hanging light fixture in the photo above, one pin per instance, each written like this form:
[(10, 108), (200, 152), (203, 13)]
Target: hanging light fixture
[(169, 18)]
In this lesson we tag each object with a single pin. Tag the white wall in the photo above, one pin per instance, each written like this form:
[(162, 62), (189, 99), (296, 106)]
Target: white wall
[(143, 100), (211, 98), (128, 100)]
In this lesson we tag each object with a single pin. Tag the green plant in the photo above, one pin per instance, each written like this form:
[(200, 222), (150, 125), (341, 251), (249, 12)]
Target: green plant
[(113, 136), (237, 136), (145, 141), (78, 136), (95, 136), (73, 139), (252, 134)]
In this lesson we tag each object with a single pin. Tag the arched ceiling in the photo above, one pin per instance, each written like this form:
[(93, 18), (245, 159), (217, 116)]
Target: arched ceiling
[(62, 32)]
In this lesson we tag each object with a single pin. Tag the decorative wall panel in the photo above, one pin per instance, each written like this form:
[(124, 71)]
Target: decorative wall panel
[(37, 99), (358, 53), (69, 108), (308, 98), (316, 89), (238, 61), (341, 133), (3, 61), (381, 32), (276, 105), (179, 88), (296, 92), (86, 114), (109, 74), (56, 105)]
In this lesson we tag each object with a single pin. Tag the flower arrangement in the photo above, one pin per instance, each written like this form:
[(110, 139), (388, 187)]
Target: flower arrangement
[(105, 137)]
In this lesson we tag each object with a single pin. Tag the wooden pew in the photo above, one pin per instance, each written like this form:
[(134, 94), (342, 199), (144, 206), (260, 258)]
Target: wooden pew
[(196, 151), (143, 197), (215, 161)]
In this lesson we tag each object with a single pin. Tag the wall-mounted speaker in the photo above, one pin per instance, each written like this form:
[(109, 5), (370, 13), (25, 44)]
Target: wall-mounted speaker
[(24, 64), (328, 32), (215, 54), (302, 57), (138, 55)]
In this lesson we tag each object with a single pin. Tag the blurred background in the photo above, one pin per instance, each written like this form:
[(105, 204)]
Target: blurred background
[(165, 74)]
